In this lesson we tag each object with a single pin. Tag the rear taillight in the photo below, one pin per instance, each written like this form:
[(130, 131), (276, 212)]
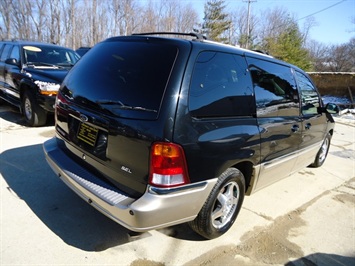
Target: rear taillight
[(167, 165), (61, 101)]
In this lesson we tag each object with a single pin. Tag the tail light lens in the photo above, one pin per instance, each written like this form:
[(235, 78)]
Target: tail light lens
[(60, 101), (167, 165)]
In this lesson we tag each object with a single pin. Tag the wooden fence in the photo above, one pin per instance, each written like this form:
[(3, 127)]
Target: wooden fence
[(340, 84)]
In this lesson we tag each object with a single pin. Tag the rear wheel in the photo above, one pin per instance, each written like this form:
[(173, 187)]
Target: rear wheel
[(222, 206), (322, 153), (34, 115)]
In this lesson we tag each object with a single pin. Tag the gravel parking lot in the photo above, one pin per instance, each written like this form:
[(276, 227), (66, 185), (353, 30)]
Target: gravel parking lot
[(305, 219)]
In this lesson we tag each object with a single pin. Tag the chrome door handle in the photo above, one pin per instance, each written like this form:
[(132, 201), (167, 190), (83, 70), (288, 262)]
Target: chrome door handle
[(295, 128)]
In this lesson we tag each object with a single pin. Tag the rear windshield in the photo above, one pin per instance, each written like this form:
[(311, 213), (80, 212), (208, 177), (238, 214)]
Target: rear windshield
[(126, 79)]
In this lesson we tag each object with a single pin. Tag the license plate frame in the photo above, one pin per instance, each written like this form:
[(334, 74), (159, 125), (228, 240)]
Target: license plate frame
[(87, 134)]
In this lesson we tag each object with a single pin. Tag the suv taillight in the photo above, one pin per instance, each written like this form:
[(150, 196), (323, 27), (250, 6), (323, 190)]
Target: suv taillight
[(167, 165)]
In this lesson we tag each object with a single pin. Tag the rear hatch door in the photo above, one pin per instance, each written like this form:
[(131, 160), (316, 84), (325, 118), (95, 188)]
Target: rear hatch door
[(110, 108)]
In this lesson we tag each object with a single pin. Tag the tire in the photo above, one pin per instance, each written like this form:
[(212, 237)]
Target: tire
[(34, 115), (322, 153), (222, 206)]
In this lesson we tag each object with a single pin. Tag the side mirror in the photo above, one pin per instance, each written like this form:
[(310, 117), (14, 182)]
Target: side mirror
[(332, 108), (12, 61)]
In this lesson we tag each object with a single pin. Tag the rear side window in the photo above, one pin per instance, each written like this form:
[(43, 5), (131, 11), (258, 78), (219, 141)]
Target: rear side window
[(5, 52), (275, 89), (15, 53), (220, 86), (127, 79), (310, 98)]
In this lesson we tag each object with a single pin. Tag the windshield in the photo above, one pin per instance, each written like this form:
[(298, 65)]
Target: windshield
[(49, 56)]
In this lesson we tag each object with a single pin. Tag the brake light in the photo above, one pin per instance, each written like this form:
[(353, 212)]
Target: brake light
[(61, 100), (167, 165)]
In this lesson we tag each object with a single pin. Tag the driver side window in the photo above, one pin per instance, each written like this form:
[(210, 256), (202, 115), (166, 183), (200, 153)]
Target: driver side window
[(275, 89), (310, 100)]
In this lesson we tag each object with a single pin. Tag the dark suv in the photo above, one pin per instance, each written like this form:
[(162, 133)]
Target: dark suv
[(30, 76), (155, 131)]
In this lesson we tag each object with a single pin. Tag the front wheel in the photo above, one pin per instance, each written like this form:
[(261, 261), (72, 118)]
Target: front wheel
[(34, 115), (222, 206), (323, 152)]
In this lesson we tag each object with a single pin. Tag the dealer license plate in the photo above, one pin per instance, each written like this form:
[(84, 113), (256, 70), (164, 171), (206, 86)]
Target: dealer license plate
[(87, 134)]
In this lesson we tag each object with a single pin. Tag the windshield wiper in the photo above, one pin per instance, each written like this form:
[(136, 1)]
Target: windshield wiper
[(43, 64), (126, 107), (66, 64)]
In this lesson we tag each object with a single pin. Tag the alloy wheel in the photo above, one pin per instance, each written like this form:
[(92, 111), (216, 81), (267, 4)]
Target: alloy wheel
[(225, 205)]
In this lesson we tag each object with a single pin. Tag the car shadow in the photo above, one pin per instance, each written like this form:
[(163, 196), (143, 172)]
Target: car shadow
[(12, 114), (323, 259), (78, 224), (30, 178)]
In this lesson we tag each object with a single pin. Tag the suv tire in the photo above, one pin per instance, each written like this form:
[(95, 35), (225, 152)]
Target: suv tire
[(323, 152), (222, 206), (34, 115)]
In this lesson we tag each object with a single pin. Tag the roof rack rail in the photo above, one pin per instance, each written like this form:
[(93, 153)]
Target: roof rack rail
[(193, 34), (261, 52)]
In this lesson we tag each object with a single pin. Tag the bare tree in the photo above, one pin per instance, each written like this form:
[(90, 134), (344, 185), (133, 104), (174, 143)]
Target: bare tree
[(238, 31), (341, 58), (186, 18), (38, 17), (115, 8), (21, 19), (318, 52), (307, 25), (54, 23), (273, 22), (6, 14), (149, 18), (68, 20), (128, 16), (333, 58), (75, 23)]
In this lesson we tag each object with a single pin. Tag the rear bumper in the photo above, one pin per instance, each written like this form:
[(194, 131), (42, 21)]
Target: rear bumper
[(156, 208)]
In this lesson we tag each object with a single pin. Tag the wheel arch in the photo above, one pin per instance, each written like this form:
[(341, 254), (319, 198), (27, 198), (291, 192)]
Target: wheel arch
[(247, 169), (24, 86)]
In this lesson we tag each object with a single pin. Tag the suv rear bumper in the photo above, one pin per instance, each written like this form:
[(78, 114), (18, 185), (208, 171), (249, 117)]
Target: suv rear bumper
[(156, 208)]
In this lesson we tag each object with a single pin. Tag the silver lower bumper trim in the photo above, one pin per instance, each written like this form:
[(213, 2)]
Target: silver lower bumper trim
[(156, 208)]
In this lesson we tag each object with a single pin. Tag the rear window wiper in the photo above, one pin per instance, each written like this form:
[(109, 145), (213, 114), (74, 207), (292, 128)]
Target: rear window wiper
[(124, 106)]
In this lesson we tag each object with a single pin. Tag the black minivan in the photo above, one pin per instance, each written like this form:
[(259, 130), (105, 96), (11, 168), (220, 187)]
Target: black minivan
[(155, 131)]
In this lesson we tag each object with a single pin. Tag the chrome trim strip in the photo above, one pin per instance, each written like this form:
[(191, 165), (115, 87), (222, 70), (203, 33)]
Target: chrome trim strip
[(290, 156), (309, 148), (280, 160), (186, 188), (11, 92)]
